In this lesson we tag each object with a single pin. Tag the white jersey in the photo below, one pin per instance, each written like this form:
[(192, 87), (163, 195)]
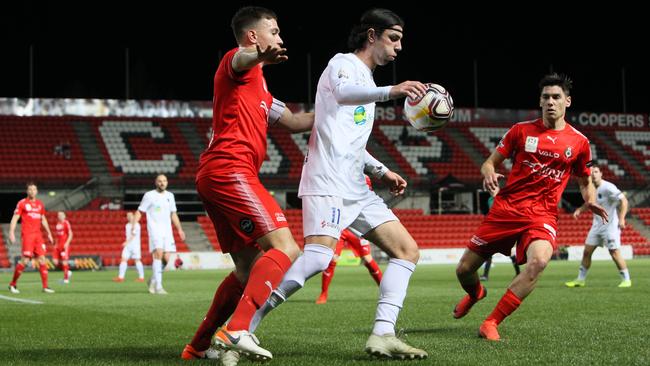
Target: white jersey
[(135, 242), (158, 207), (609, 197), (335, 162)]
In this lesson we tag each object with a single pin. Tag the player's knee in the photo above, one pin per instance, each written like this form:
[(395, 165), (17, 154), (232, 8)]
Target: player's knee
[(537, 265)]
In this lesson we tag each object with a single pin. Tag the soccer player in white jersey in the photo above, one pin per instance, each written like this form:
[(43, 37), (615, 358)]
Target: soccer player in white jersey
[(333, 187), (604, 233), (160, 207), (131, 250)]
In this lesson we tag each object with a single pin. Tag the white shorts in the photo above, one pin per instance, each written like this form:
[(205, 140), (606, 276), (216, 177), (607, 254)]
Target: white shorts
[(607, 237), (131, 252), (165, 243), (329, 215)]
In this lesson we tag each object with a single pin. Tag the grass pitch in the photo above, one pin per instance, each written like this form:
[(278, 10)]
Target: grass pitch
[(94, 321)]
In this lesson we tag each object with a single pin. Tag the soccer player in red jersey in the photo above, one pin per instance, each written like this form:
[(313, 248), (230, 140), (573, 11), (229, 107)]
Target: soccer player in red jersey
[(31, 212), (61, 253), (361, 248), (249, 223), (544, 153)]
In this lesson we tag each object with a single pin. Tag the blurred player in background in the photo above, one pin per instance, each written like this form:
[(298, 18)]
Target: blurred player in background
[(333, 188), (488, 261), (131, 249), (249, 223), (544, 153), (604, 233), (160, 206), (361, 248), (31, 213), (61, 255)]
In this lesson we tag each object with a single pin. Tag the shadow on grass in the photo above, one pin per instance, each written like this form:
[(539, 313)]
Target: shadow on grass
[(150, 355)]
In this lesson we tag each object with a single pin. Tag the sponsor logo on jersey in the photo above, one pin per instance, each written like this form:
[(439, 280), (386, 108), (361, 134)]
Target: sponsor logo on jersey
[(360, 115), (549, 154), (246, 225), (279, 216), (531, 144), (553, 139), (330, 225), (544, 170)]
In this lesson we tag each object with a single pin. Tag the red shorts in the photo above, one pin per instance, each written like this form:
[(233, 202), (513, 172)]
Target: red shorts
[(61, 254), (501, 230), (33, 245), (241, 210), (359, 246)]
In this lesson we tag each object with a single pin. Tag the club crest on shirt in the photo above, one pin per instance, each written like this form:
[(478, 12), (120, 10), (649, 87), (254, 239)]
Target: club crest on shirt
[(246, 225), (28, 207), (568, 152), (531, 144), (360, 115)]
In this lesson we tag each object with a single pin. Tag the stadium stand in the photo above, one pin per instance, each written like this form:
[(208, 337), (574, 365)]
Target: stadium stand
[(44, 149)]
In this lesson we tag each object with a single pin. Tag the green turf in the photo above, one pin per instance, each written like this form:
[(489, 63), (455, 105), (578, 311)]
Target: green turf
[(94, 321)]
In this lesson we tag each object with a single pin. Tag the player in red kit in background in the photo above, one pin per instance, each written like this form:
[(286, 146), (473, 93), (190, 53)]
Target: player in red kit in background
[(249, 223), (544, 153), (31, 213), (61, 254)]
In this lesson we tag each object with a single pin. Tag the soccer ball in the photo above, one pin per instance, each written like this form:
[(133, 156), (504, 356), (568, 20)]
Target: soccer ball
[(432, 111)]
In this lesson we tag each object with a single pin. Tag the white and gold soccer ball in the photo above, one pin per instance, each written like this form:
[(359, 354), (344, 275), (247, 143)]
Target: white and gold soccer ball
[(432, 111)]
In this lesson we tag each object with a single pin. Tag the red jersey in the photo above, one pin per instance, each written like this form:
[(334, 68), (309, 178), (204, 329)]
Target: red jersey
[(542, 161), (239, 121), (62, 233), (30, 216)]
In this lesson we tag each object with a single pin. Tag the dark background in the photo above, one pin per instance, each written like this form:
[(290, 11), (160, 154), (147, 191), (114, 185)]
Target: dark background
[(79, 49)]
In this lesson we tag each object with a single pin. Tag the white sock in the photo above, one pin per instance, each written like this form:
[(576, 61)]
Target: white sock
[(122, 271), (140, 268), (157, 272), (582, 273), (314, 260), (392, 291), (625, 274)]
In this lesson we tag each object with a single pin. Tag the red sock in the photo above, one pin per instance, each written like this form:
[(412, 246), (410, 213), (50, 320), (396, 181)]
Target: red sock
[(43, 269), (328, 274), (264, 277), (66, 270), (473, 289), (223, 304), (374, 270), (20, 267), (506, 306)]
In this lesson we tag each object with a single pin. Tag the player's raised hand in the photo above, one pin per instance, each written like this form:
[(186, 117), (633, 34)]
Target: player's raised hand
[(598, 210), (272, 54), (491, 181), (411, 89), (395, 183)]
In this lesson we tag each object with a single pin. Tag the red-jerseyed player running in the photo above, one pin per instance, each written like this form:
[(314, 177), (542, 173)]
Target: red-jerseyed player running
[(544, 153), (361, 247), (249, 223), (61, 253), (31, 213)]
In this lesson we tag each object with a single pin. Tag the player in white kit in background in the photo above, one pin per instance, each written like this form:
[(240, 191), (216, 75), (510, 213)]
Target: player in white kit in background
[(333, 187), (160, 207), (607, 234), (131, 250)]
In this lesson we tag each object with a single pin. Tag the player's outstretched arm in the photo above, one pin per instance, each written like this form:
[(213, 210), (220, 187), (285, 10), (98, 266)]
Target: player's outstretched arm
[(588, 193), (489, 171), (296, 122), (411, 89), (247, 58)]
